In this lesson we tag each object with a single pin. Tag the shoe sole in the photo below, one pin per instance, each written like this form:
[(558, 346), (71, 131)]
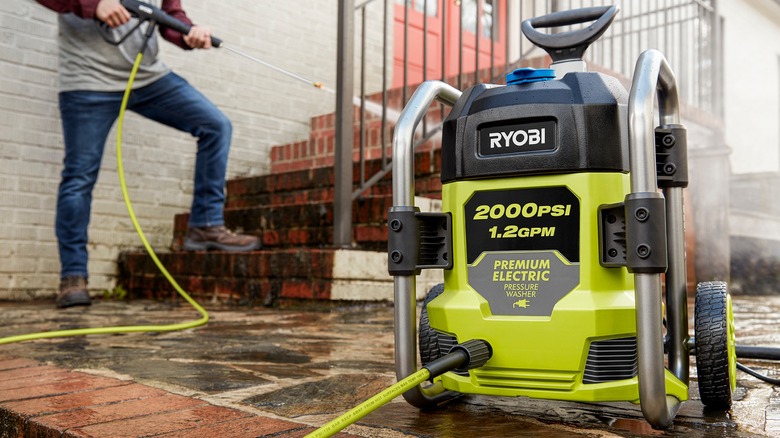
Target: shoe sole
[(74, 299), (190, 245)]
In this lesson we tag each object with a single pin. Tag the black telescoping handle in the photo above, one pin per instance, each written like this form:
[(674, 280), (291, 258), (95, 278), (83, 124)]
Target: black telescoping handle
[(145, 11), (569, 45)]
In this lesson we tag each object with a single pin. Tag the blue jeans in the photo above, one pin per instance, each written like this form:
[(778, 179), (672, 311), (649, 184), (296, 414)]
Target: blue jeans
[(87, 117)]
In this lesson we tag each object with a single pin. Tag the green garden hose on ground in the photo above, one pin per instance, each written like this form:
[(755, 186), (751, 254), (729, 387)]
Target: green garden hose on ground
[(126, 329), (462, 357), (371, 404)]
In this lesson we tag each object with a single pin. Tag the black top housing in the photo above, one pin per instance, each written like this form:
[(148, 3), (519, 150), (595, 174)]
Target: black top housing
[(575, 124)]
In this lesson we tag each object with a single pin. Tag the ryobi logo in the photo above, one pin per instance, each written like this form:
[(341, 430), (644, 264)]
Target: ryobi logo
[(513, 139), (517, 138)]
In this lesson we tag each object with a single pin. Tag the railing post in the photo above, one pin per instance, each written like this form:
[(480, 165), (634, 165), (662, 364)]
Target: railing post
[(342, 203), (717, 59)]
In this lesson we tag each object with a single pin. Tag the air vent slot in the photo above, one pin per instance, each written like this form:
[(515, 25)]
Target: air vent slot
[(610, 360)]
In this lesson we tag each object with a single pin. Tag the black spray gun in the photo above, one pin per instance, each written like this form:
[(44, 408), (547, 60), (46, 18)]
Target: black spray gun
[(146, 12)]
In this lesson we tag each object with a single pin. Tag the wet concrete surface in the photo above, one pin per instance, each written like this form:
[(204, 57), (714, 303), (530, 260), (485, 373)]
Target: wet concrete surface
[(311, 365)]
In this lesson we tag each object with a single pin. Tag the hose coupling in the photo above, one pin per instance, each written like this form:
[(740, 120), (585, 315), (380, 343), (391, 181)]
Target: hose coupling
[(462, 357)]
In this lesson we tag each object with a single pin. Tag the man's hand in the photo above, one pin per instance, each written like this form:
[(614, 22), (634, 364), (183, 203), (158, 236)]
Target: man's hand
[(112, 13), (198, 38)]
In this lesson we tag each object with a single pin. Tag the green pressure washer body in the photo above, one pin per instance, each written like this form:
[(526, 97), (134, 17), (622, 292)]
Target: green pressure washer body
[(553, 238)]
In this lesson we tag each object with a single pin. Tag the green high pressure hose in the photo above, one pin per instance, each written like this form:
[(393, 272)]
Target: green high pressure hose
[(464, 356), (137, 328), (371, 404)]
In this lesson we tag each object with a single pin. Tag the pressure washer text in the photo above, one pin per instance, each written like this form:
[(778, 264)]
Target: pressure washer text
[(528, 210), (522, 270), (513, 231)]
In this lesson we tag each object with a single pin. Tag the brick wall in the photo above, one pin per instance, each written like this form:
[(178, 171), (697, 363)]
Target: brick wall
[(266, 108)]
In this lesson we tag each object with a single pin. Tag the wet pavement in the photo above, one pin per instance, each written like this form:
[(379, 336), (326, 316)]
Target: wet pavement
[(307, 366)]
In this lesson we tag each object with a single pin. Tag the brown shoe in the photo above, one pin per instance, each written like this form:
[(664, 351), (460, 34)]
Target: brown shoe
[(73, 292), (219, 238)]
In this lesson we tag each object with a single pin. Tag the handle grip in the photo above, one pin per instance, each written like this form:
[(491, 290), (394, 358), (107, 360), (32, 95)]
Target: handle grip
[(145, 11), (569, 45)]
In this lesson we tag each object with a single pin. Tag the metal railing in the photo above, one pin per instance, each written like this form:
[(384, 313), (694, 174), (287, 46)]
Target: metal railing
[(438, 40), (688, 32)]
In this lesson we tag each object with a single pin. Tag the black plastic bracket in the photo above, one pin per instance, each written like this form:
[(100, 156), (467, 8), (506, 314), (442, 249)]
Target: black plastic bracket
[(418, 241), (671, 155), (612, 235), (645, 215)]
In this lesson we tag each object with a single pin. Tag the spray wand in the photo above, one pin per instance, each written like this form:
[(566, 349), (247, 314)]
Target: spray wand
[(146, 12)]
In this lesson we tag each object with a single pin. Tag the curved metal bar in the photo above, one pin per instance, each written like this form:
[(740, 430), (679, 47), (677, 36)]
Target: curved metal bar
[(403, 136), (653, 77), (676, 286), (403, 199), (652, 74), (676, 275)]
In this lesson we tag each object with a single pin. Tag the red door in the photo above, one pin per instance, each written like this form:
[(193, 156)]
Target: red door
[(478, 15)]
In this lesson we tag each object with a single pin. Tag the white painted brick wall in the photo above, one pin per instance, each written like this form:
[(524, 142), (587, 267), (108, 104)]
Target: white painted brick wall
[(266, 107)]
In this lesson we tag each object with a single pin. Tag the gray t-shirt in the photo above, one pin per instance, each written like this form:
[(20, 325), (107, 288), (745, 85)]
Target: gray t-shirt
[(88, 62)]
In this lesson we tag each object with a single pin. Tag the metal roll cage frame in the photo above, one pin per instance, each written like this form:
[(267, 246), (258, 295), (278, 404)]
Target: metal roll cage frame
[(653, 78)]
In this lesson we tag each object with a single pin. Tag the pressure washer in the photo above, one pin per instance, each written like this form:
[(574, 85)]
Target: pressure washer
[(561, 238)]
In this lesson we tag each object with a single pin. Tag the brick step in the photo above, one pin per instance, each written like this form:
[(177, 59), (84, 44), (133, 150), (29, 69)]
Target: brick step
[(267, 277), (316, 184), (279, 277), (304, 224), (428, 186), (318, 149), (292, 212)]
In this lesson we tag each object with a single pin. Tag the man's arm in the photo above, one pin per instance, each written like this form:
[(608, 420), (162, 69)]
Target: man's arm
[(82, 8), (110, 12), (114, 14), (173, 8), (198, 38)]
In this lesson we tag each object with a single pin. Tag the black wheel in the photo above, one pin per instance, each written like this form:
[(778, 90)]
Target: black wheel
[(433, 344), (716, 360)]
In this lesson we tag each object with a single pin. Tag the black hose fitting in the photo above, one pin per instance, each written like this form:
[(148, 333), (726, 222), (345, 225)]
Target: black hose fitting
[(462, 357)]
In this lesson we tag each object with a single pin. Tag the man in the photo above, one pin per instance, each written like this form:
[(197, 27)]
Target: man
[(93, 74)]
